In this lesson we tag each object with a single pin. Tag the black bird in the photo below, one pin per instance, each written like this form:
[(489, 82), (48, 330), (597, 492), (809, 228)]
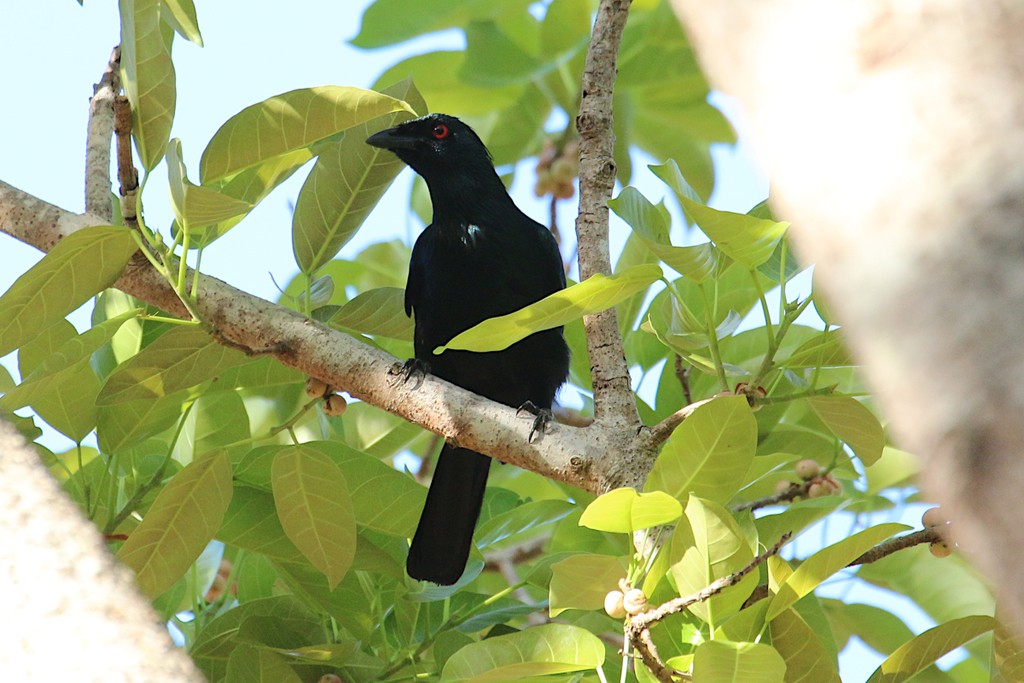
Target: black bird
[(480, 257)]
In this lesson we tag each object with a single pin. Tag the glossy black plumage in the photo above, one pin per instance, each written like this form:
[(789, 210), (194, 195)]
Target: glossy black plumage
[(480, 257)]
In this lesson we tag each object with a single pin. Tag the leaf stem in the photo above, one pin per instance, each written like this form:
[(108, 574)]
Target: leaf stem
[(716, 354)]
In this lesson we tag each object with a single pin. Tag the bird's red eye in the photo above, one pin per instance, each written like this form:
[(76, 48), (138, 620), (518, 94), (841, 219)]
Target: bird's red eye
[(440, 131)]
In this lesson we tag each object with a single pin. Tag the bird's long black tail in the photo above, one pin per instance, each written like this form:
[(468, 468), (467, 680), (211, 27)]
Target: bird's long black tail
[(440, 548)]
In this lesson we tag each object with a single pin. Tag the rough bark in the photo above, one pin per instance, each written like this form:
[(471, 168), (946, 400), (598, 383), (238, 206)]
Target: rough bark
[(893, 133)]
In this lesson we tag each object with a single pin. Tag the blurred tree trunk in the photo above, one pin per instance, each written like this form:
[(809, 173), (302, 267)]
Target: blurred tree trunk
[(893, 133)]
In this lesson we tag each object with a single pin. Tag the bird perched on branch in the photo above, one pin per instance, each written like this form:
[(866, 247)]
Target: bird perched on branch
[(481, 257)]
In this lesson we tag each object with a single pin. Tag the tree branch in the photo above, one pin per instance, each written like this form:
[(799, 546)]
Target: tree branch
[(97, 144), (587, 458), (613, 397)]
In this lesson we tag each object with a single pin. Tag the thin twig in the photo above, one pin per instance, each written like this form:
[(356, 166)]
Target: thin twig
[(886, 548), (97, 141), (660, 432), (683, 375), (794, 491), (127, 176), (613, 397), (638, 630)]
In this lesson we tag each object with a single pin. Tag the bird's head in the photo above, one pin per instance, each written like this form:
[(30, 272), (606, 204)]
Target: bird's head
[(434, 145)]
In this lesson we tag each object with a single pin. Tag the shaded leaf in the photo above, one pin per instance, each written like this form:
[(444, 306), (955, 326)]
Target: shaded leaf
[(806, 659), (315, 510), (182, 520), (182, 16), (378, 312), (852, 422), (201, 211), (541, 650), (582, 581)]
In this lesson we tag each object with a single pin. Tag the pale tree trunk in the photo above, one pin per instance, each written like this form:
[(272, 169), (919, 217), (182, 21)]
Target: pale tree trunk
[(893, 133)]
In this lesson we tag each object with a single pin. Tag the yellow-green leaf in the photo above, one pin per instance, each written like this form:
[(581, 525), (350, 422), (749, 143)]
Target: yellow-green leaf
[(807, 660), (725, 662), (826, 562), (922, 651), (624, 511), (287, 123), (709, 454), (348, 179), (651, 223), (537, 651), (79, 266), (745, 239), (182, 520), (315, 509), (849, 420), (582, 581), (205, 213), (181, 15), (596, 293), (148, 76)]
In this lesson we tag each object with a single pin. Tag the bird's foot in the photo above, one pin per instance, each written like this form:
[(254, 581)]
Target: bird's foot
[(412, 369), (542, 417)]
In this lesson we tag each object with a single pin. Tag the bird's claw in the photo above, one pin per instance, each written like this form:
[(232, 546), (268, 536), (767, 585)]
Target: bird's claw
[(412, 369), (542, 417)]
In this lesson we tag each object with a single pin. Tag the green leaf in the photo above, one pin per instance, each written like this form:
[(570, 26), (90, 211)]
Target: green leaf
[(182, 357), (348, 180), (709, 453), (148, 76), (651, 223), (386, 22), (313, 503), (849, 420), (596, 293), (79, 266), (493, 59), (725, 662), (288, 124), (670, 174), (747, 240), (248, 664), (182, 520), (582, 581), (538, 651), (379, 312), (71, 413), (624, 511), (824, 350), (204, 213), (917, 654), (523, 520), (826, 562), (711, 547), (807, 660), (182, 16)]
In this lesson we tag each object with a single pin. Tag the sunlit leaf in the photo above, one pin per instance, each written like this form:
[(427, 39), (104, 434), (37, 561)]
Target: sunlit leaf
[(917, 654), (725, 662), (541, 650), (709, 453), (596, 293), (652, 223), (79, 266), (747, 240), (348, 179), (288, 123), (826, 562), (315, 510), (181, 15), (148, 76), (807, 660), (182, 520), (624, 510), (205, 213)]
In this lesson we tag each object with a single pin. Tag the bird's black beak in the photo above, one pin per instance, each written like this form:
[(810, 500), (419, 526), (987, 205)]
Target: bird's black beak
[(392, 139)]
